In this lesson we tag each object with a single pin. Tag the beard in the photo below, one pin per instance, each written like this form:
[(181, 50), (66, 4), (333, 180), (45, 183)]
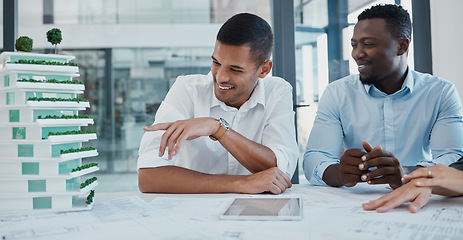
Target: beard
[(368, 80)]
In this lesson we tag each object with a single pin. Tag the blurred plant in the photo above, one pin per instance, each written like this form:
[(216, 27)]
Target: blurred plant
[(24, 43)]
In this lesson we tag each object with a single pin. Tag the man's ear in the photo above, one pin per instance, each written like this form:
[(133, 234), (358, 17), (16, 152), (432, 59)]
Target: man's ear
[(265, 68), (404, 43)]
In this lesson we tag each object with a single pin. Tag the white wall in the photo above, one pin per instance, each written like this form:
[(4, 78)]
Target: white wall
[(447, 40)]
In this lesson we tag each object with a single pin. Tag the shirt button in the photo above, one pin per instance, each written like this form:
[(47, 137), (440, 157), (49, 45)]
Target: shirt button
[(388, 98), (389, 127)]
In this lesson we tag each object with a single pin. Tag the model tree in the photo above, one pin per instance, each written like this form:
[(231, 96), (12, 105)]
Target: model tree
[(54, 37), (24, 44)]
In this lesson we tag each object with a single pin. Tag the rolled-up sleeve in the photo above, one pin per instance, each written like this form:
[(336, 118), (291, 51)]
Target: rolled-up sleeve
[(279, 133), (325, 140), (176, 106)]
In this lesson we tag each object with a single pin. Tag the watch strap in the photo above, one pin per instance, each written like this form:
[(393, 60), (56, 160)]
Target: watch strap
[(218, 134)]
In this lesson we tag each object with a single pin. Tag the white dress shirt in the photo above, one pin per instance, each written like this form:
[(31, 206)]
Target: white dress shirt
[(267, 118)]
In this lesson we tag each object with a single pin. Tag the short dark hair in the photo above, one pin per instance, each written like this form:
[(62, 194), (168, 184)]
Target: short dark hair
[(397, 19), (248, 29)]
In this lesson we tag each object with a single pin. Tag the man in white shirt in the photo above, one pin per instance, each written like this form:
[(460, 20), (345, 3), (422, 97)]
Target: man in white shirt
[(229, 131)]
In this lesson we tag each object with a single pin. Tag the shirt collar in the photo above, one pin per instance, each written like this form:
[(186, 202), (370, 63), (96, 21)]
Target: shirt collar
[(257, 97), (408, 83)]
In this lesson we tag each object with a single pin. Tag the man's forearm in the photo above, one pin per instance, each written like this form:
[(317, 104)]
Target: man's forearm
[(253, 156), (173, 179), (332, 177)]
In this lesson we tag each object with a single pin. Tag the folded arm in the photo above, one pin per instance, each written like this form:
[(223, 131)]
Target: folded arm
[(173, 179)]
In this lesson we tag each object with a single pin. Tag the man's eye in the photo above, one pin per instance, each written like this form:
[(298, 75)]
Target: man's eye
[(236, 70), (216, 63)]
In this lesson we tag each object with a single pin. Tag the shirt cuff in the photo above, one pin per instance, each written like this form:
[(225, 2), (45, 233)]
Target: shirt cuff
[(285, 162), (426, 163), (148, 161), (317, 176)]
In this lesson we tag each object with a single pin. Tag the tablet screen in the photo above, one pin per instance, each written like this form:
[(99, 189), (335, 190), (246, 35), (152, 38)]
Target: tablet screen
[(264, 209)]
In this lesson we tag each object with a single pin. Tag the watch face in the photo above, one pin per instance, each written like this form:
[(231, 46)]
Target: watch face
[(224, 123)]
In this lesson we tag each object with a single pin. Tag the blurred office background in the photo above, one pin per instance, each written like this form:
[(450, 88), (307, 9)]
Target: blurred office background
[(130, 53)]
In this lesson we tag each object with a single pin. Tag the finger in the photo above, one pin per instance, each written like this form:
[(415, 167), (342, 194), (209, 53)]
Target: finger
[(419, 202), (418, 173), (274, 189), (164, 139), (383, 172), (381, 162), (173, 141), (280, 185), (367, 146), (354, 152), (183, 137), (427, 182), (284, 179), (374, 204), (156, 127), (348, 169), (381, 180)]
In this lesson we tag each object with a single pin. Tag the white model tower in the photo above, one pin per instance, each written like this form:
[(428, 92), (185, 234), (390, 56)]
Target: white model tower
[(40, 135)]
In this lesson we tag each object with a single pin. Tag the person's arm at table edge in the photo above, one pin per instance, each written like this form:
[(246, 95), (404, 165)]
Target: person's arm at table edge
[(174, 179)]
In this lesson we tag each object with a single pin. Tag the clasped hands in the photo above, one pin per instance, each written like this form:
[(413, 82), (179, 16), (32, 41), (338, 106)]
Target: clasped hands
[(355, 165)]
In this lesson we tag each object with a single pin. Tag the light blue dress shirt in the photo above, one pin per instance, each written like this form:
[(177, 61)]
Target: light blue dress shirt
[(421, 124)]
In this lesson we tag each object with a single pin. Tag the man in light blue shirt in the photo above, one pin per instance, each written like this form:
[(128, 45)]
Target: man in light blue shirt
[(413, 119)]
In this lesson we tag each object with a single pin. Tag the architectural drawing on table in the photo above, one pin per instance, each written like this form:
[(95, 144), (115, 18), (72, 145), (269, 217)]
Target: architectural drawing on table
[(40, 135)]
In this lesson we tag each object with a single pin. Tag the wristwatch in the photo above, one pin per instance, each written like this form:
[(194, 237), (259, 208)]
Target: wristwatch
[(224, 126)]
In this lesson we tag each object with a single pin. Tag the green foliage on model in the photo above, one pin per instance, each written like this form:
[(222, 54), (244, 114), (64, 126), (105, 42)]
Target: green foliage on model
[(24, 44), (52, 80), (74, 150), (85, 167), (72, 132), (78, 100), (54, 37), (87, 182), (64, 117), (90, 197), (43, 62)]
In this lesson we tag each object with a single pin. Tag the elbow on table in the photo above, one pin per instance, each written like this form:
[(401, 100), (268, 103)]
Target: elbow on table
[(145, 182)]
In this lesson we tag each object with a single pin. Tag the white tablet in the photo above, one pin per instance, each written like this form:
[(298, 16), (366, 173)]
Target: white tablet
[(264, 209)]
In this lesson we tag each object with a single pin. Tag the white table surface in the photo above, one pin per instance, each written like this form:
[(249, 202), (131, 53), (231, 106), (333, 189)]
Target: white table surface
[(329, 213)]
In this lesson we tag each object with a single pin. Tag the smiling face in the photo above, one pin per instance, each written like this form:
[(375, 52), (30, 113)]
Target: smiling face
[(235, 73), (381, 58)]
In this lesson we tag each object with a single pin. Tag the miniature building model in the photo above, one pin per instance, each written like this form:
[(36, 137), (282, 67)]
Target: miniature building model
[(40, 135)]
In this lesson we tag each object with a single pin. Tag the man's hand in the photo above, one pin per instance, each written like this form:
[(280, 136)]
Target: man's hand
[(349, 172), (388, 169), (271, 180), (419, 196), (179, 131)]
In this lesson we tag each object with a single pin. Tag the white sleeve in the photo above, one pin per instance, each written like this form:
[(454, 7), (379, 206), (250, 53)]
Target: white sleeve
[(279, 132), (176, 106)]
